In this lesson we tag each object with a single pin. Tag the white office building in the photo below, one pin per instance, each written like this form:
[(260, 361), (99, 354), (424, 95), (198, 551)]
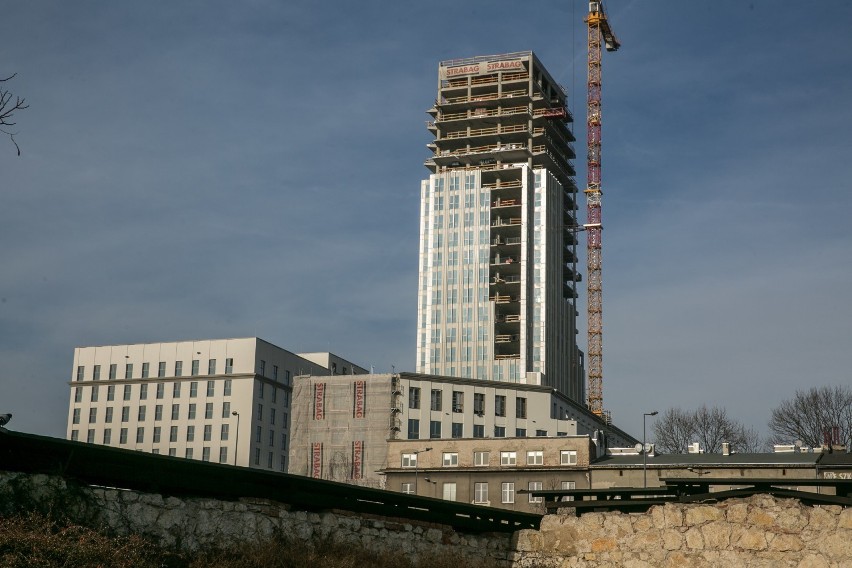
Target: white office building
[(225, 401)]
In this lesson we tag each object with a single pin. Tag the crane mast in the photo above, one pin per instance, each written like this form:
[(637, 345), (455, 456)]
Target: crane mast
[(599, 32)]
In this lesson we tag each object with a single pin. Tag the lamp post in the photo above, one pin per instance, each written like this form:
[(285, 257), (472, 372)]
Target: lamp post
[(416, 463), (645, 449), (237, 445)]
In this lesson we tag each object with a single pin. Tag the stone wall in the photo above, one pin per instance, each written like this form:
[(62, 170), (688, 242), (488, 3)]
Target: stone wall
[(193, 523), (758, 531)]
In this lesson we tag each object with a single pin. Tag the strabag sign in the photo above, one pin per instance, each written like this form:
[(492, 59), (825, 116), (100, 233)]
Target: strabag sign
[(482, 68)]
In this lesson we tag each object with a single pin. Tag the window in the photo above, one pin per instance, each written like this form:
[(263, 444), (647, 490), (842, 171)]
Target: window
[(568, 457), (451, 459), (80, 371), (122, 436), (226, 409), (262, 370), (112, 371), (535, 457), (188, 453), (143, 392), (409, 460), (161, 389), (75, 435), (125, 414), (175, 411), (208, 411), (146, 369), (193, 389), (93, 415), (507, 492), (499, 405), (478, 431), (78, 394), (178, 368), (481, 458), (190, 433), (107, 435), (141, 414), (260, 390), (520, 432), (128, 371), (272, 438), (227, 387), (413, 429), (211, 388), (111, 392), (458, 401), (535, 486), (435, 429), (140, 435), (259, 411), (208, 432), (172, 452), (175, 390), (499, 431), (520, 407), (568, 485), (480, 492), (275, 394), (258, 434), (223, 454), (413, 397), (211, 367), (173, 434), (436, 399), (161, 369), (97, 374), (191, 415), (541, 433), (229, 366), (127, 392), (275, 373), (508, 458), (108, 417), (407, 488), (223, 434), (458, 430), (157, 432), (158, 412), (449, 491), (93, 397)]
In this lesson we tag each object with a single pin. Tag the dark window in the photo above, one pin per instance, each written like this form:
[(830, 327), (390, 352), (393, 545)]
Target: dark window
[(413, 429), (499, 431), (458, 430), (520, 432), (541, 433), (458, 401), (520, 407), (478, 431), (499, 405), (436, 399), (479, 404), (195, 366), (413, 397), (435, 429)]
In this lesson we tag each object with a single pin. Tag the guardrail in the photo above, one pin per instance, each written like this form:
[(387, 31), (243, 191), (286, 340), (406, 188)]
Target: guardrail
[(127, 469)]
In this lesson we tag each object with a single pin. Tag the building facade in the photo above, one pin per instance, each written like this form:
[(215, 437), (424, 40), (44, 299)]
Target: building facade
[(342, 425), (225, 400), (497, 296)]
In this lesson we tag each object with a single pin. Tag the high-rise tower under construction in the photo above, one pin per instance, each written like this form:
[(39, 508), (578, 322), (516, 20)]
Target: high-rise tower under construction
[(498, 264)]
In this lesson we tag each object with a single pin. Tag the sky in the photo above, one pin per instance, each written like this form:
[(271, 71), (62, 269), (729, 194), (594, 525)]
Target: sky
[(209, 169)]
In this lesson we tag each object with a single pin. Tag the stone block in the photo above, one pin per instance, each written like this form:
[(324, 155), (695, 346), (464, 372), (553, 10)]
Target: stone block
[(837, 546), (701, 514), (822, 520), (673, 515), (814, 561), (672, 539), (760, 518), (737, 512), (750, 539), (641, 523), (844, 521), (717, 535), (786, 543), (604, 544), (527, 540), (694, 540)]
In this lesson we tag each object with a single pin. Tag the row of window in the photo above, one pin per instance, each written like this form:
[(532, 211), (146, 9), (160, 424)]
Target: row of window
[(436, 402), (142, 413), (161, 370), (156, 434), (507, 458), (160, 391), (481, 493), (435, 430)]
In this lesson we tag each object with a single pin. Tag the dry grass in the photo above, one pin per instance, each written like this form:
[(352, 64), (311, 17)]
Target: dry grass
[(33, 540)]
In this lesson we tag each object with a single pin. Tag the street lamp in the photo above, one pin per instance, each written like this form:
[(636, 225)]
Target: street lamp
[(645, 448), (416, 462), (237, 445)]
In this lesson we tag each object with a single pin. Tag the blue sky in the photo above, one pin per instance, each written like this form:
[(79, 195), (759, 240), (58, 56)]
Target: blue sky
[(219, 169)]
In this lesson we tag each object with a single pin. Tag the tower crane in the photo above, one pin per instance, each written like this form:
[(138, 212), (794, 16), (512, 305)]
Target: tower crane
[(599, 32)]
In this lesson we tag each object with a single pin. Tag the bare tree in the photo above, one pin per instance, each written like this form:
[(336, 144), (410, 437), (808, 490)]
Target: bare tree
[(8, 107), (816, 416), (677, 428)]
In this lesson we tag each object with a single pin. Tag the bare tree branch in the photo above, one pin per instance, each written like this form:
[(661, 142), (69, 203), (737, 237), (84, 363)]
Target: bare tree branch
[(8, 108), (677, 428), (817, 416)]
